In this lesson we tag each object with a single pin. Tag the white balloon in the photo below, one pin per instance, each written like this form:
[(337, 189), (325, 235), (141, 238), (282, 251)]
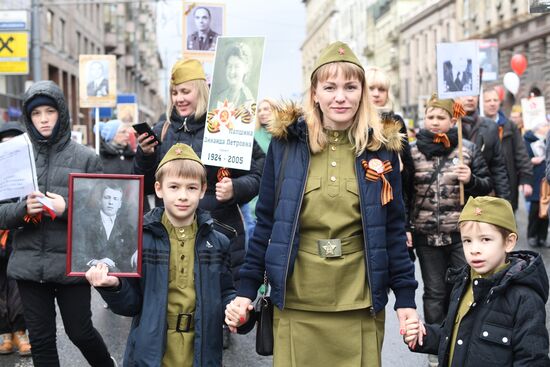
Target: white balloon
[(511, 82)]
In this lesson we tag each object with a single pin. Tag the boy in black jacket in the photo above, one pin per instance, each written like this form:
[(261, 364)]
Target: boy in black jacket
[(178, 304), (497, 313)]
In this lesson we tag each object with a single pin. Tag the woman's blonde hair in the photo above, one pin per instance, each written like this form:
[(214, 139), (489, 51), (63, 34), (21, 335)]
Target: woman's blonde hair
[(202, 103), (271, 102), (376, 77), (365, 131), (202, 98)]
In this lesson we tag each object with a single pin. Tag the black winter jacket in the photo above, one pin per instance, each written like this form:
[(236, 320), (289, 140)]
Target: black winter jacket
[(39, 250), (518, 163), (506, 326), (116, 160), (246, 184), (145, 299), (483, 132)]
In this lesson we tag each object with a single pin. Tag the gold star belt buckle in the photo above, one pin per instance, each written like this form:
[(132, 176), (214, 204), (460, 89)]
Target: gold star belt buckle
[(330, 248)]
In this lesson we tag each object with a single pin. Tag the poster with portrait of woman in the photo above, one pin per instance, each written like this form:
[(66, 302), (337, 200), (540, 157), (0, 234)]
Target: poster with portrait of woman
[(229, 133), (97, 82)]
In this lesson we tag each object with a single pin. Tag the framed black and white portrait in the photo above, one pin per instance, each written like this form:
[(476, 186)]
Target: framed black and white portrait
[(97, 80), (105, 223), (203, 23)]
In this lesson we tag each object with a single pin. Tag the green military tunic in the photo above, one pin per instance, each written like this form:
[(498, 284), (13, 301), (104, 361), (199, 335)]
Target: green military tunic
[(327, 320), (181, 294)]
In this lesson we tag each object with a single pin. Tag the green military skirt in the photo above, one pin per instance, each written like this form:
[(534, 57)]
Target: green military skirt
[(337, 339)]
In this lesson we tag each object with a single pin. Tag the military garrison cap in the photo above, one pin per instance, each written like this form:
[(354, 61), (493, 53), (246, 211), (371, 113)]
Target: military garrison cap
[(488, 209), (336, 52), (186, 70), (446, 104), (179, 151)]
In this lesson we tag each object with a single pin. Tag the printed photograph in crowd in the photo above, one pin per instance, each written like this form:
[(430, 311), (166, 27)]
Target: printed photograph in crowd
[(127, 112), (237, 68), (81, 134), (105, 221), (488, 59), (539, 6), (202, 24), (457, 69), (534, 112), (230, 122), (97, 80)]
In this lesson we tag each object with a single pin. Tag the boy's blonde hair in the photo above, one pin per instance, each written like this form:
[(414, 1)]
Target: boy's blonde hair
[(183, 168), (470, 223), (366, 129)]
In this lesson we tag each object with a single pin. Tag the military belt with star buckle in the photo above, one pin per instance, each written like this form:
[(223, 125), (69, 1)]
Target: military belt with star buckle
[(330, 248)]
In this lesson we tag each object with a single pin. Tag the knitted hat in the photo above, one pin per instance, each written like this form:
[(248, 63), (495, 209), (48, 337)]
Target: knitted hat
[(109, 129), (488, 209), (40, 100), (179, 151), (336, 52), (10, 129), (186, 70), (446, 104)]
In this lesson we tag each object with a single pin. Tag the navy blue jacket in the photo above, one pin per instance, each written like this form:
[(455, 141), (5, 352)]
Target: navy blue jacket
[(275, 242), (145, 299), (189, 131)]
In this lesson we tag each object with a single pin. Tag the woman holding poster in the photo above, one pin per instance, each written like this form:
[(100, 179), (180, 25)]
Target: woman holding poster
[(226, 188), (330, 234)]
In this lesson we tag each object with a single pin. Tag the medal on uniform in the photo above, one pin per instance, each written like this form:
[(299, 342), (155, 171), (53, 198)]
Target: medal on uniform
[(375, 170)]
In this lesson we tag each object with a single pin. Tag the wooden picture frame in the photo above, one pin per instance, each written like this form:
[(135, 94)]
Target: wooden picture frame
[(105, 223)]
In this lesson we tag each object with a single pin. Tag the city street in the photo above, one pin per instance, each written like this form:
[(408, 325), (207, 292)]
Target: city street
[(114, 330)]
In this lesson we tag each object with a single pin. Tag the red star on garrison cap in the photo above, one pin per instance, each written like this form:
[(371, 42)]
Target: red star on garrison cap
[(341, 51), (478, 211), (178, 151)]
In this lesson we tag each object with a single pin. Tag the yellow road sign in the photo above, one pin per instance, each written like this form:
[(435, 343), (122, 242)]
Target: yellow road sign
[(14, 52)]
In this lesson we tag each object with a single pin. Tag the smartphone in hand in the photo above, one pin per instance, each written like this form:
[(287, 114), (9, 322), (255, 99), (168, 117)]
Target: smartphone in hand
[(144, 127)]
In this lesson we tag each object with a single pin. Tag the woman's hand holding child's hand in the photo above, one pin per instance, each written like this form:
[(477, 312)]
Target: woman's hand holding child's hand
[(414, 332), (237, 313)]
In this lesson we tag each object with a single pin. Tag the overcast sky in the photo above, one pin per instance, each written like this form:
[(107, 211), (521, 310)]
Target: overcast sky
[(281, 21)]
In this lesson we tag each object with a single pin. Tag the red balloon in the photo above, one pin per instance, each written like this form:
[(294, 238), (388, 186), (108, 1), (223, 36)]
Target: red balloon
[(518, 63), (500, 90)]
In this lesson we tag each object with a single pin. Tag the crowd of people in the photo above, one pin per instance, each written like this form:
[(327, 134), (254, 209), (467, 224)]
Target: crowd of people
[(335, 208)]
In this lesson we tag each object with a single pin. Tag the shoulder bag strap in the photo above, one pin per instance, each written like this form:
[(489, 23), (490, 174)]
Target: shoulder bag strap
[(432, 180)]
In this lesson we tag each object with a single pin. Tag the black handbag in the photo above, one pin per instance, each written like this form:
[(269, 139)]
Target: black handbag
[(264, 306), (264, 327)]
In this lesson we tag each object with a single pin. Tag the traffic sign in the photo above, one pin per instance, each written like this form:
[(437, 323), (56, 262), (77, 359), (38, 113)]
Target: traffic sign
[(14, 53), (14, 20)]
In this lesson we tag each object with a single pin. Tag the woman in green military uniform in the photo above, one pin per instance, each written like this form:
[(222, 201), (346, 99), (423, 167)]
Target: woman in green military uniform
[(330, 233)]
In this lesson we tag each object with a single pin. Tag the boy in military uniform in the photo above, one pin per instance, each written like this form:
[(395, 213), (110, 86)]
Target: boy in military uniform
[(186, 279), (497, 313)]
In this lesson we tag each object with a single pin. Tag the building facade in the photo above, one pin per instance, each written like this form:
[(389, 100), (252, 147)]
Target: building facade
[(419, 33), (382, 47), (66, 31), (509, 22)]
